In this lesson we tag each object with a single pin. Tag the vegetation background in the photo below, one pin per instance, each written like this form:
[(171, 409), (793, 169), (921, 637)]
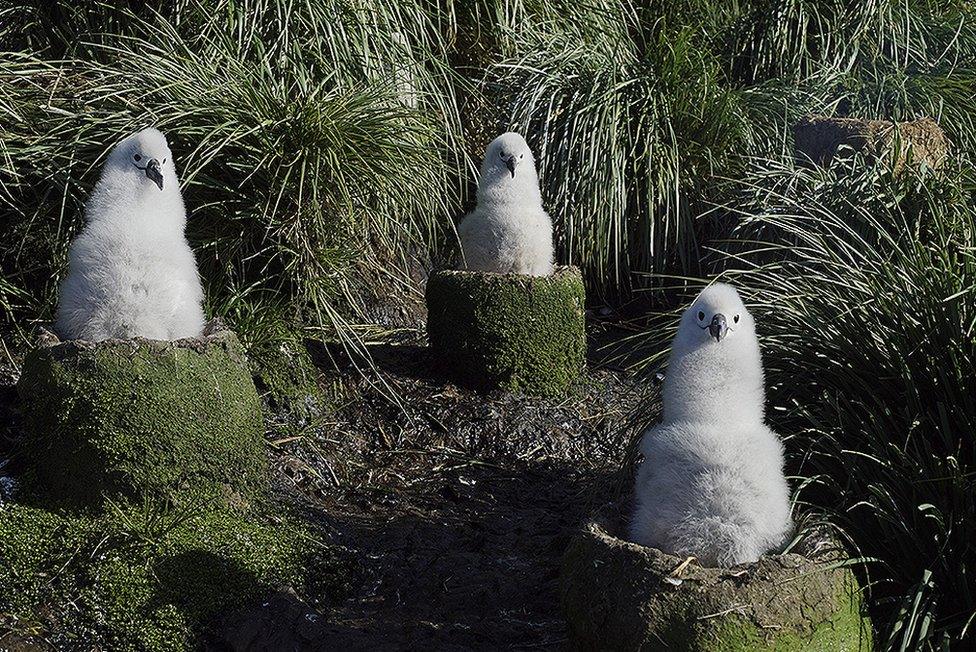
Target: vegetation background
[(327, 148)]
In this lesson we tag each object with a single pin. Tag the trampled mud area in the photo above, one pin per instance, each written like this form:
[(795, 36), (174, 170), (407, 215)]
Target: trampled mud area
[(456, 505)]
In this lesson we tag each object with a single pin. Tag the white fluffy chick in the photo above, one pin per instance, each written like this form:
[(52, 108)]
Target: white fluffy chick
[(509, 232), (711, 484), (131, 271)]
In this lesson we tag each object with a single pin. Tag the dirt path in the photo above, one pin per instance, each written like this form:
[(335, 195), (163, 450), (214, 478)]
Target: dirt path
[(457, 505), (475, 567)]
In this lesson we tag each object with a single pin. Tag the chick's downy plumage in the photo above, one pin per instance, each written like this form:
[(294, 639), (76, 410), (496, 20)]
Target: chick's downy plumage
[(711, 484), (131, 271), (509, 231)]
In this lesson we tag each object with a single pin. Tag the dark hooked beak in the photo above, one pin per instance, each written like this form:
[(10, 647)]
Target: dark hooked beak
[(512, 162), (154, 172), (718, 328)]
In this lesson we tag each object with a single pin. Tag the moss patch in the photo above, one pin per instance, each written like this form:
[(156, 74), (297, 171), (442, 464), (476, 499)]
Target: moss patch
[(32, 543), (843, 630), (140, 418), (147, 577), (623, 596), (287, 380), (521, 333)]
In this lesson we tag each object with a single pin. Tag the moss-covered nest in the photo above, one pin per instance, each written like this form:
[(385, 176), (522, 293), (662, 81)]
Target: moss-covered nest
[(619, 595), (141, 418), (521, 333)]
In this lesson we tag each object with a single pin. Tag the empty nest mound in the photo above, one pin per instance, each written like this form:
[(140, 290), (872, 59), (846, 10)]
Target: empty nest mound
[(623, 596), (817, 140), (520, 333)]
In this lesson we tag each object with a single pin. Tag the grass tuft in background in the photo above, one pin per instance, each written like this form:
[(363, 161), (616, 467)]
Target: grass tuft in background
[(313, 143)]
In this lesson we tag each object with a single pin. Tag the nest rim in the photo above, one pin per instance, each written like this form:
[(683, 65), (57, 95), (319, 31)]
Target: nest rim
[(215, 333), (559, 272)]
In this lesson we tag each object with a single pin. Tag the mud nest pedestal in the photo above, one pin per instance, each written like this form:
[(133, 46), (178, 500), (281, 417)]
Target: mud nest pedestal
[(139, 418), (520, 333), (817, 140), (619, 595)]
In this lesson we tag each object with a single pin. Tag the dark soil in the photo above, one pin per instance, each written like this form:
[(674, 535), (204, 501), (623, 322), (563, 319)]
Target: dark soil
[(456, 505)]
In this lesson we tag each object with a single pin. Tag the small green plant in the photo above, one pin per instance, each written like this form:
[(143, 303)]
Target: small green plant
[(151, 522)]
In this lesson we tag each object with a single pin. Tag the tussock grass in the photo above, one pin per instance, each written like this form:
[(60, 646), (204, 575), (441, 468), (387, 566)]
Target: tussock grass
[(637, 109), (314, 141), (304, 126)]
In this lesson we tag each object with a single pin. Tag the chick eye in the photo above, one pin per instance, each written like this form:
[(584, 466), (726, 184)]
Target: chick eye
[(701, 316), (137, 157), (521, 156), (736, 319)]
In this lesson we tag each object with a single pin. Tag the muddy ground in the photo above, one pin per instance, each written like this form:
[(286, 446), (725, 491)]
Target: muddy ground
[(458, 505)]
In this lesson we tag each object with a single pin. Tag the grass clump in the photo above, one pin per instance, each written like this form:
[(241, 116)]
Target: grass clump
[(148, 576), (323, 150), (313, 142), (636, 111)]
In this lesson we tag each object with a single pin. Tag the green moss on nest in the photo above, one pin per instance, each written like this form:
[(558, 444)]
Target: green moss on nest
[(522, 333), (845, 629), (619, 595), (143, 577), (142, 418), (287, 379)]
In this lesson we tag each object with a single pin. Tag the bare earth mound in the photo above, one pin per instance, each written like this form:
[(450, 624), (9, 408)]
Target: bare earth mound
[(817, 140)]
